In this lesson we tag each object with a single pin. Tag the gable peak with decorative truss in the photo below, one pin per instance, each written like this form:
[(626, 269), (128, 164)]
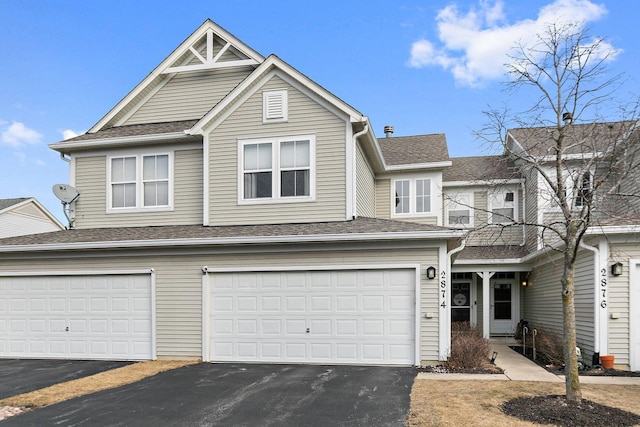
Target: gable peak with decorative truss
[(211, 47)]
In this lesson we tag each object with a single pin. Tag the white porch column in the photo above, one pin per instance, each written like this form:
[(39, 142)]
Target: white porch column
[(602, 301), (486, 302)]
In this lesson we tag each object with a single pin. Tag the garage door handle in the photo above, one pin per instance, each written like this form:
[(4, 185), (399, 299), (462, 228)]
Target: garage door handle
[(66, 329), (307, 330)]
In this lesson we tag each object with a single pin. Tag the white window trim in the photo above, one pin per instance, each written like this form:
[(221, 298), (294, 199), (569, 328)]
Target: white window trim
[(285, 106), (412, 198), (549, 204), (275, 168), (449, 200), (139, 183), (502, 191)]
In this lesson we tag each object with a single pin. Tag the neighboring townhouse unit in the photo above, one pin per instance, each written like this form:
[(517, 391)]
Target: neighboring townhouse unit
[(25, 216), (231, 209)]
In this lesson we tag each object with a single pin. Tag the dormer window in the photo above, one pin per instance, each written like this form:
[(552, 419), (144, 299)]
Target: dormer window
[(274, 106)]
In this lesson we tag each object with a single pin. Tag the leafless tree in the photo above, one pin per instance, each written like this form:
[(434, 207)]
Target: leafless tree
[(578, 142)]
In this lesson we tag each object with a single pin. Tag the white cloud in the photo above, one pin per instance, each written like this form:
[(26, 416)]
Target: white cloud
[(474, 45), (68, 134), (17, 134)]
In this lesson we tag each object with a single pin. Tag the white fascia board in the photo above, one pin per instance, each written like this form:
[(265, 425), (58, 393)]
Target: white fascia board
[(318, 238), (613, 229), (179, 51), (579, 156), (62, 147), (17, 205), (419, 166), (482, 183), (497, 261), (260, 72)]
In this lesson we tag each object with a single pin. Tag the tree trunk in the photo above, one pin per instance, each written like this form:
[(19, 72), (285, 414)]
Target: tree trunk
[(572, 379)]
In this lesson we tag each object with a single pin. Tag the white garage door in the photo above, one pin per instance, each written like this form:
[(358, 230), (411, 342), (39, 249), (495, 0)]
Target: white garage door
[(634, 314), (76, 317), (338, 317)]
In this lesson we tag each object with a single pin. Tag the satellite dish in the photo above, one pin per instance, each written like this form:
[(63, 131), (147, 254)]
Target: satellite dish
[(65, 193)]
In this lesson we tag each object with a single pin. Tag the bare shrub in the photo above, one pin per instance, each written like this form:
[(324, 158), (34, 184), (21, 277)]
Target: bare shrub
[(548, 347), (469, 349)]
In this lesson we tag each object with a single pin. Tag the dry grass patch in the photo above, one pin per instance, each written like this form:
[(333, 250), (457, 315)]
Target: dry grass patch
[(456, 403), (102, 381)]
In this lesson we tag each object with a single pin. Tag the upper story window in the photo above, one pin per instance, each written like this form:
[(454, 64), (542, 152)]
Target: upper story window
[(412, 196), (502, 206), (277, 169), (275, 106), (459, 209), (139, 182), (584, 191)]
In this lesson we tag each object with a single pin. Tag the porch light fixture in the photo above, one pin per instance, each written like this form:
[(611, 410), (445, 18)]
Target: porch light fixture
[(431, 273), (616, 269), (494, 356), (524, 283)]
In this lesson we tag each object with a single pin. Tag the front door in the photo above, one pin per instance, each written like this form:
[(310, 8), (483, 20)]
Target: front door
[(504, 307), (460, 302)]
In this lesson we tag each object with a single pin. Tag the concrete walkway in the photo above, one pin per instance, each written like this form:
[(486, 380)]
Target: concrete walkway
[(516, 367)]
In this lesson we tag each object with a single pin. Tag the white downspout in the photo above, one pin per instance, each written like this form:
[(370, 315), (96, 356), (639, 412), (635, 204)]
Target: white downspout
[(596, 295), (444, 299), (354, 176), (524, 214)]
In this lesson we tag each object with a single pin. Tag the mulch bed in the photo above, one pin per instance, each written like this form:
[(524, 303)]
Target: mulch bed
[(554, 409)]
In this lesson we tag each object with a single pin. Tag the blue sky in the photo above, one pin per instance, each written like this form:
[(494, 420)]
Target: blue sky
[(427, 66)]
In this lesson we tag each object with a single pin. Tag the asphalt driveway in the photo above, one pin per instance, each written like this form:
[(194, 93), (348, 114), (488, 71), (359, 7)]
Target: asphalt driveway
[(243, 395), (25, 375)]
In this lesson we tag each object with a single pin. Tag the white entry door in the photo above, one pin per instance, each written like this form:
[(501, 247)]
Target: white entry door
[(504, 306), (76, 317), (634, 316), (338, 317)]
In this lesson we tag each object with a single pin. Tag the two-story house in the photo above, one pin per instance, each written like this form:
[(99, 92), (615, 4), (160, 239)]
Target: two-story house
[(231, 209)]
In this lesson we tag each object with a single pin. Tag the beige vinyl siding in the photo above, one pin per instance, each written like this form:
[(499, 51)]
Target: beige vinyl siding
[(305, 117), (618, 301), (14, 224), (487, 235), (383, 204), (91, 206), (179, 283), (543, 299), (365, 186), (531, 209), (189, 95)]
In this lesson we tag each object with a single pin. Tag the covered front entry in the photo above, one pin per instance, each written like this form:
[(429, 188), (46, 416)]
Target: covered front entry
[(86, 315), (344, 316)]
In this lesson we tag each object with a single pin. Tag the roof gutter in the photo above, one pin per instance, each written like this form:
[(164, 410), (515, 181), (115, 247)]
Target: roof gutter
[(434, 165)]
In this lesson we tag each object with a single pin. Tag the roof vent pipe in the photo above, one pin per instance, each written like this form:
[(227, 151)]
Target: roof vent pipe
[(567, 118), (388, 131)]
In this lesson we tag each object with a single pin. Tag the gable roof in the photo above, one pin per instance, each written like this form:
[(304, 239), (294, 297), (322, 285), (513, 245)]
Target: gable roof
[(414, 150), (189, 235), (182, 59), (579, 138), (30, 205), (480, 168)]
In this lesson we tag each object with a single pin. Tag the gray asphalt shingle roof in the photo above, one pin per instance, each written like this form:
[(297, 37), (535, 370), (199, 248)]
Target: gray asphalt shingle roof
[(408, 150), (492, 252), (580, 138), (180, 232), (135, 130), (7, 203), (480, 168)]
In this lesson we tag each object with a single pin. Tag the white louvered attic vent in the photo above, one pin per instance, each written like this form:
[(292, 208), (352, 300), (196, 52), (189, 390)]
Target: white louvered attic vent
[(274, 106)]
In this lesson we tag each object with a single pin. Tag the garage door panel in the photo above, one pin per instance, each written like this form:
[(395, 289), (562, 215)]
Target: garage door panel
[(343, 316), (83, 317)]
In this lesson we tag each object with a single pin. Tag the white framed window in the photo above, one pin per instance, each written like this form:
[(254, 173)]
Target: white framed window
[(275, 106), (502, 206), (459, 209), (139, 182), (584, 190), (412, 196), (277, 169)]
